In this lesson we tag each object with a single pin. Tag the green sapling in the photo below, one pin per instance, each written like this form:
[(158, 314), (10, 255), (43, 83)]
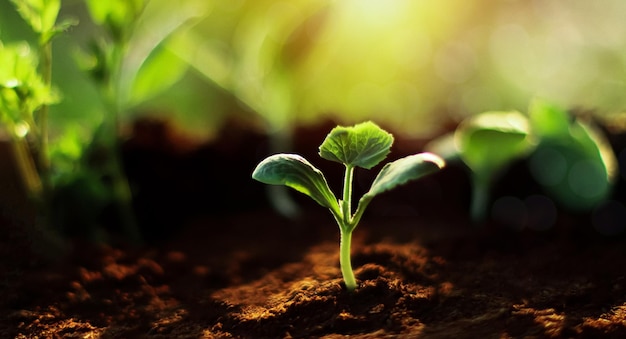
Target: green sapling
[(487, 143), (364, 145)]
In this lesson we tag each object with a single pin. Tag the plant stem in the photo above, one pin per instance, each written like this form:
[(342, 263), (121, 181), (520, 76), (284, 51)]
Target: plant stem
[(44, 160), (122, 191), (365, 200), (480, 199), (347, 196), (26, 167), (113, 97), (346, 228), (345, 261)]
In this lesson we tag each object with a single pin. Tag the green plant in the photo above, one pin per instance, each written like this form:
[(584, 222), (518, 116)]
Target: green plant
[(108, 53), (22, 93), (41, 16), (26, 92), (567, 156), (127, 65), (573, 161), (487, 143), (364, 145), (79, 165), (260, 66)]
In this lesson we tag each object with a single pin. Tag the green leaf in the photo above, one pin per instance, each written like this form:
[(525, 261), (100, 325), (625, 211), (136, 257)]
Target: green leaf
[(160, 71), (49, 14), (294, 171), (116, 15), (577, 168), (61, 27), (22, 90), (489, 141), (67, 148), (548, 120), (154, 65), (363, 145), (39, 14), (404, 170)]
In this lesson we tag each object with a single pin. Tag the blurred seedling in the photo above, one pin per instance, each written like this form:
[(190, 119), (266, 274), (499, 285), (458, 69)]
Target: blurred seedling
[(127, 64), (488, 143), (259, 66), (363, 145), (573, 161), (25, 94), (570, 159)]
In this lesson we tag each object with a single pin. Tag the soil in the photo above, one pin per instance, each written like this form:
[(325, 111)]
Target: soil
[(220, 262)]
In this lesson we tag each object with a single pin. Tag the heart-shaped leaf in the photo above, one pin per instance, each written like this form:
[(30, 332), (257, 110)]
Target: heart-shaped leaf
[(363, 145), (294, 171)]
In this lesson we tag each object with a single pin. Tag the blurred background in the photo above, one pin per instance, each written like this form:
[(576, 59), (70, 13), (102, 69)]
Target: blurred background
[(413, 65)]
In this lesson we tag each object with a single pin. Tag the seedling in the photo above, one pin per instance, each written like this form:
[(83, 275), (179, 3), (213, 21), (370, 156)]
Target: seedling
[(26, 92), (488, 143), (128, 64), (573, 162), (364, 145)]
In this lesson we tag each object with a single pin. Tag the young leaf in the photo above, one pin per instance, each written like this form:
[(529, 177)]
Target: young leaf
[(363, 145), (403, 170), (573, 161), (489, 141), (61, 27), (548, 120), (22, 90), (116, 15), (160, 71), (39, 14), (296, 172)]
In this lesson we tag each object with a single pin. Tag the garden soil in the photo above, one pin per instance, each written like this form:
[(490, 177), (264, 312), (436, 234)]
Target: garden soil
[(219, 262)]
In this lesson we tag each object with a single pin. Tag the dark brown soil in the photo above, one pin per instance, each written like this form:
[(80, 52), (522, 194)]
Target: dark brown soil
[(237, 269)]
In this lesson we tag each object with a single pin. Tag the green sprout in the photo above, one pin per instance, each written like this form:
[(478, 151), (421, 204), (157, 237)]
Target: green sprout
[(488, 143), (26, 92), (41, 16), (566, 155), (363, 145), (128, 64), (573, 161)]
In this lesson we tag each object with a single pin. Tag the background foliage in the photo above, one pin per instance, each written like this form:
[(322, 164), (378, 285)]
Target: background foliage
[(410, 64)]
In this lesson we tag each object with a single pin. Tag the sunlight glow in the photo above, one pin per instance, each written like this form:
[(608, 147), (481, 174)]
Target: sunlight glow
[(21, 129), (377, 10)]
